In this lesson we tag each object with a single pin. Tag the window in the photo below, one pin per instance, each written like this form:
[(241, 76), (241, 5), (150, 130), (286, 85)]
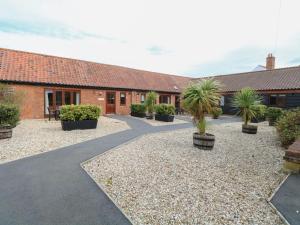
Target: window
[(166, 99), (143, 98), (55, 98), (67, 98), (122, 98), (278, 100)]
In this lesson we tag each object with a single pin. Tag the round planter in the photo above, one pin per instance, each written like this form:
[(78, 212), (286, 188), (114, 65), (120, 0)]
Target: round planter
[(5, 132), (164, 118), (215, 117), (249, 129), (205, 142)]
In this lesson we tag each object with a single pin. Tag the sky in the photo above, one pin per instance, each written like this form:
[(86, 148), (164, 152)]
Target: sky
[(192, 37)]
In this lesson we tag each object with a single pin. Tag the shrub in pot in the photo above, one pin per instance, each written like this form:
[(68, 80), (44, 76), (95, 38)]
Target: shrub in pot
[(273, 114), (198, 99), (288, 127), (165, 112), (216, 112), (138, 110), (9, 117), (79, 116), (260, 113), (150, 103), (244, 101)]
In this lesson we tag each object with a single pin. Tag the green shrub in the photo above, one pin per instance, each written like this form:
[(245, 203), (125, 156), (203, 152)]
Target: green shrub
[(9, 114), (260, 111), (216, 112), (288, 127), (165, 109), (79, 112), (138, 108), (273, 113)]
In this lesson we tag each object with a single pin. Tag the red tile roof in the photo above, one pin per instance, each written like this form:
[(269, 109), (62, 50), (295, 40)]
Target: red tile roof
[(19, 66), (276, 79)]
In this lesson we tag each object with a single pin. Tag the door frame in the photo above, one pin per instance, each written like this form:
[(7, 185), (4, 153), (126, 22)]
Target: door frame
[(107, 93)]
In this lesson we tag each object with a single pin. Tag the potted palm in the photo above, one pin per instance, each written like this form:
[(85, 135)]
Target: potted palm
[(198, 99), (150, 103), (244, 101)]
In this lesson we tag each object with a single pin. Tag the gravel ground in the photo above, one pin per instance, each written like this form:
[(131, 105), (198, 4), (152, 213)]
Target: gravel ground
[(161, 123), (162, 179), (32, 137)]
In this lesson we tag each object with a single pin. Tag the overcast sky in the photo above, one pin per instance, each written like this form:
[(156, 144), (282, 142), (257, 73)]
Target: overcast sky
[(191, 37)]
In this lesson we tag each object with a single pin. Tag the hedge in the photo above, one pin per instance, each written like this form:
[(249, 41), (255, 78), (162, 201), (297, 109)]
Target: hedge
[(164, 109), (138, 108), (79, 112)]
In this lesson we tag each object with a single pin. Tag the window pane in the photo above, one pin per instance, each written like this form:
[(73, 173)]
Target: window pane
[(281, 100), (77, 98), (123, 98), (74, 98), (67, 98), (48, 100), (110, 98), (142, 98), (58, 98), (273, 100)]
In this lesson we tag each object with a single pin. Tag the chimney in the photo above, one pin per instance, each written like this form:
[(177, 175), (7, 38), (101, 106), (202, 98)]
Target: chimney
[(270, 62)]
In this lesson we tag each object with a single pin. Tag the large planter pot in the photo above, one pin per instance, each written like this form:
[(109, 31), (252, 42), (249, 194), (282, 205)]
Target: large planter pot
[(249, 129), (257, 120), (79, 125), (215, 117), (5, 132), (164, 118), (136, 114), (205, 142)]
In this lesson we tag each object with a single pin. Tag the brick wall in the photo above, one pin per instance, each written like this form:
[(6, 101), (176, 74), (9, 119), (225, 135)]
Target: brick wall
[(34, 97)]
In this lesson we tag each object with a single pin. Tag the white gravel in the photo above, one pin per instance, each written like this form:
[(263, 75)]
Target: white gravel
[(162, 179), (32, 137)]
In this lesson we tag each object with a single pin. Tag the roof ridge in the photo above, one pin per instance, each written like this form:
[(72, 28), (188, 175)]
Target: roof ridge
[(82, 60), (249, 72)]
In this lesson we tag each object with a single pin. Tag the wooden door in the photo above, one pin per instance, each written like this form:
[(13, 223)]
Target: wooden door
[(110, 102)]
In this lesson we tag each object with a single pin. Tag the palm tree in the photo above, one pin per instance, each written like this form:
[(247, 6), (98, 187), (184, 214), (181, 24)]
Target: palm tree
[(200, 98), (150, 102), (245, 100)]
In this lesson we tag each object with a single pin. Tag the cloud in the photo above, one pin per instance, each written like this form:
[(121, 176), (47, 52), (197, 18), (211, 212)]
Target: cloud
[(48, 29), (191, 37)]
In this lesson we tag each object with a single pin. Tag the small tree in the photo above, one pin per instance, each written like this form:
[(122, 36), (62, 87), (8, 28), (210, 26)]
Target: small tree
[(244, 100), (200, 98), (150, 102)]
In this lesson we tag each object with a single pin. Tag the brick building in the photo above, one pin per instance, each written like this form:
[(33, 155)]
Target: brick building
[(50, 81)]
